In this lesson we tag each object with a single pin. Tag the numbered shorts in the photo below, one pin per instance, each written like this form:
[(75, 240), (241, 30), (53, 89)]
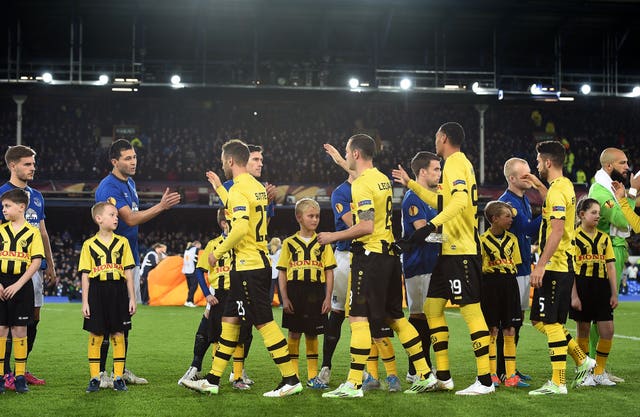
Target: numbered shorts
[(594, 294), (376, 289), (525, 291), (501, 301), (306, 299), (341, 280), (457, 278), (417, 288), (249, 296), (18, 310), (552, 301), (214, 320), (108, 307)]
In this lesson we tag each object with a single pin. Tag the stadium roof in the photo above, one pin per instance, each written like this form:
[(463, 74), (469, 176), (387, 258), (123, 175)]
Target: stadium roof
[(541, 37)]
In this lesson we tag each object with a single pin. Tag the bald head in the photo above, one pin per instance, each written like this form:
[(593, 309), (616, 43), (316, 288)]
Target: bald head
[(614, 162)]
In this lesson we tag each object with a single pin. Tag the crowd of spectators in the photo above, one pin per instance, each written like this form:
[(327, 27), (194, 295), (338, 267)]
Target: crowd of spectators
[(179, 139)]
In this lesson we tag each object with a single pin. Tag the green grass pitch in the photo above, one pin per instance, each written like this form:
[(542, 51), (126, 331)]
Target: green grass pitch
[(161, 344)]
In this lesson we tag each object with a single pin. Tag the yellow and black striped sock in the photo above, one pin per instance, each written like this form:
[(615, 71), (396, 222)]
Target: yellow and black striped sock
[(294, 352), (557, 341), (479, 332), (372, 361), (434, 310), (573, 349), (509, 355), (95, 342), (583, 342), (412, 344), (119, 354), (277, 346), (360, 347), (388, 355), (539, 326), (3, 351), (311, 342), (493, 354), (238, 361), (20, 355), (602, 354), (226, 346)]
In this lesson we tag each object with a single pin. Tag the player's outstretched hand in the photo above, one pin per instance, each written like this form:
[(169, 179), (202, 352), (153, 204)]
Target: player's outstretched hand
[(132, 306), (536, 276), (272, 191), (325, 238), (213, 179), (400, 175), (11, 290), (287, 307), (212, 300), (618, 189), (635, 180), (169, 199), (50, 274), (326, 306), (334, 154), (613, 301)]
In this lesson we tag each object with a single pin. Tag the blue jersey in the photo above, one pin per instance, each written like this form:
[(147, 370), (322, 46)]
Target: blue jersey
[(523, 227), (34, 213), (341, 205), (271, 208), (122, 193), (422, 260)]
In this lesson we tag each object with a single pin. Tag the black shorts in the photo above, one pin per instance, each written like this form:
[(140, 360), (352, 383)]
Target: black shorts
[(594, 294), (501, 301), (18, 310), (552, 301), (457, 278), (108, 307), (214, 322), (306, 299), (376, 288), (249, 296)]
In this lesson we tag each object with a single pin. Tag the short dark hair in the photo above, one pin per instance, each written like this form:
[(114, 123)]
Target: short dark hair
[(116, 148), (454, 132), (553, 151), (221, 216), (254, 148), (494, 208), (422, 160), (16, 153), (585, 204), (238, 150), (17, 196), (364, 144)]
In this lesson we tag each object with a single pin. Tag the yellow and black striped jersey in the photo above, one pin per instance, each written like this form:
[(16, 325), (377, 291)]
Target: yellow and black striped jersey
[(592, 252), (219, 273), (500, 254), (560, 203), (457, 203), (19, 248), (247, 204), (305, 261), (373, 190), (106, 261)]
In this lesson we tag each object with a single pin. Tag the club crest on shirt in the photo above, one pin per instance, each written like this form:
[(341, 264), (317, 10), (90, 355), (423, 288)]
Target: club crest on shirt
[(111, 200), (609, 204), (413, 211), (37, 202), (339, 207)]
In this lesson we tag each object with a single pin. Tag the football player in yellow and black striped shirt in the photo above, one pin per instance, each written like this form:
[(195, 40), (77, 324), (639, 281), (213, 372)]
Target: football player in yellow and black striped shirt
[(250, 276), (500, 292), (596, 286), (376, 272), (108, 298), (21, 252), (553, 275), (306, 284), (457, 274)]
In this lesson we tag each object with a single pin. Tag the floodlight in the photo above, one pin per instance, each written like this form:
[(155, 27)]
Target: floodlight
[(103, 79), (47, 77), (585, 89), (405, 83), (354, 83), (635, 92), (175, 79)]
